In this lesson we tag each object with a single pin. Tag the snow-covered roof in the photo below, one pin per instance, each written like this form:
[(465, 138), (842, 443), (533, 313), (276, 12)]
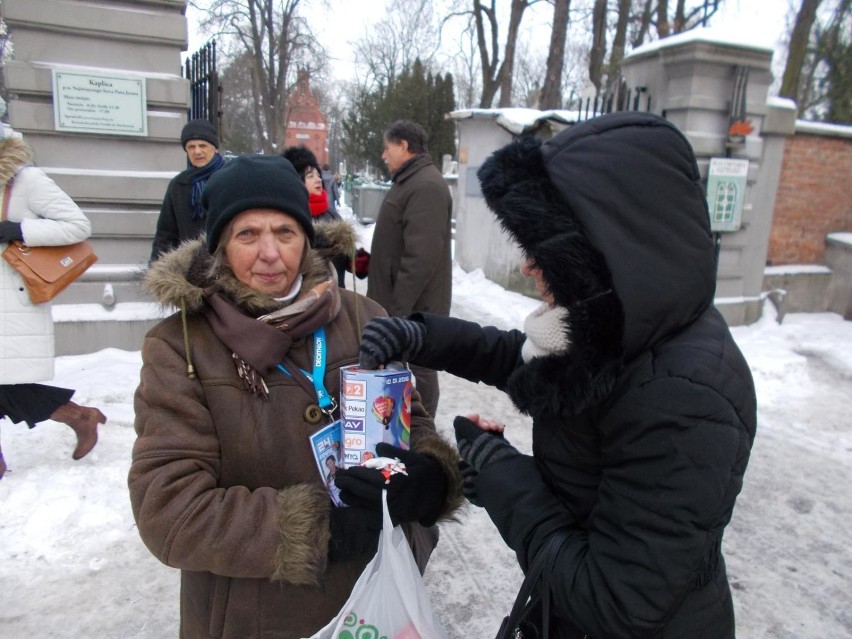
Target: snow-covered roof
[(518, 121), (709, 35)]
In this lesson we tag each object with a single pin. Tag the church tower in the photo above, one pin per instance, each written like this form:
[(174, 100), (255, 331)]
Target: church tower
[(305, 124)]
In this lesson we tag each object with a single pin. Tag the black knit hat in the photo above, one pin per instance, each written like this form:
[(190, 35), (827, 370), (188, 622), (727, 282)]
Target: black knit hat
[(254, 182), (302, 158), (200, 129)]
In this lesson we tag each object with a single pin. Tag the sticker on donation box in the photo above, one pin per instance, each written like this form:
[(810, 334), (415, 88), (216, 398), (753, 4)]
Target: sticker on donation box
[(375, 408)]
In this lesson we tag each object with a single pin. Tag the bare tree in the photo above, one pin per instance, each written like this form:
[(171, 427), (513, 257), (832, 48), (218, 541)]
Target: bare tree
[(529, 70), (407, 33), (464, 64), (276, 40), (551, 92), (791, 84), (619, 44), (497, 75), (649, 19), (597, 54)]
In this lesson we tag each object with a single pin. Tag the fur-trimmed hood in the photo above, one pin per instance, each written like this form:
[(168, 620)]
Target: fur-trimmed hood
[(613, 212), (182, 277), (14, 154)]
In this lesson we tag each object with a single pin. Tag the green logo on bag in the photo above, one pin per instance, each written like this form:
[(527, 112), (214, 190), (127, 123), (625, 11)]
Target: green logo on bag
[(358, 629)]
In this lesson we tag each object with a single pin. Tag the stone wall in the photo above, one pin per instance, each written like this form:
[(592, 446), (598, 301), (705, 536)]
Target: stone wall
[(117, 179)]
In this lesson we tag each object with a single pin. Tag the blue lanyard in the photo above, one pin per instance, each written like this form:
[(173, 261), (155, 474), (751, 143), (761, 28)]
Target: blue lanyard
[(326, 402)]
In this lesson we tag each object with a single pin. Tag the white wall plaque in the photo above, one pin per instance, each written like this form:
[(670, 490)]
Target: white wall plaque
[(99, 103)]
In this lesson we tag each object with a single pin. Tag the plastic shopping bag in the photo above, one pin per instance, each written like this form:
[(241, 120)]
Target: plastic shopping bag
[(389, 599)]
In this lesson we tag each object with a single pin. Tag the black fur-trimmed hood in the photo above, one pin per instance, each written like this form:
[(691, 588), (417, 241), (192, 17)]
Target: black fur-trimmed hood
[(613, 212)]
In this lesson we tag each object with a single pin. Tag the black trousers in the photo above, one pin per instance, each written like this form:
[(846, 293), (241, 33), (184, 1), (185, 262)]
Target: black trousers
[(31, 403)]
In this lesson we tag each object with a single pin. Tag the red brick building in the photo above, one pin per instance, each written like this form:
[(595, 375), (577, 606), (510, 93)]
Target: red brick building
[(306, 125)]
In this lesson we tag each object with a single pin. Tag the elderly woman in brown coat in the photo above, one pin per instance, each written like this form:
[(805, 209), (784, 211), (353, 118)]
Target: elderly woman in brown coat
[(223, 484)]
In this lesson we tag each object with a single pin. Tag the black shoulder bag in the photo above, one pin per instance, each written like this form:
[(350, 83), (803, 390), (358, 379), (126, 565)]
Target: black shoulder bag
[(530, 616)]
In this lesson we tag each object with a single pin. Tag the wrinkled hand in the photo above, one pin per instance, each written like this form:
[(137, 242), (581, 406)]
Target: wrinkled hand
[(11, 231), (418, 496), (389, 339), (354, 533), (478, 448)]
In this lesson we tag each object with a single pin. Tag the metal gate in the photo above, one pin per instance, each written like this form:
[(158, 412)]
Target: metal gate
[(204, 88), (619, 98)]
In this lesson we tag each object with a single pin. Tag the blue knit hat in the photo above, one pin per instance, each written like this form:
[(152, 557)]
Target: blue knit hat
[(254, 182)]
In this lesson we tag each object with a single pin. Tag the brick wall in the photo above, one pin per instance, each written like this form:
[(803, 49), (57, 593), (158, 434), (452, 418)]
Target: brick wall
[(814, 196)]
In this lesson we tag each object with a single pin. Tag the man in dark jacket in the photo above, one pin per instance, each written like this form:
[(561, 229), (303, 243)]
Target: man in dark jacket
[(410, 258), (643, 407), (181, 216), (329, 183)]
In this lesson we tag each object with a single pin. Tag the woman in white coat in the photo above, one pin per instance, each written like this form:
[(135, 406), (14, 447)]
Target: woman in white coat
[(37, 212)]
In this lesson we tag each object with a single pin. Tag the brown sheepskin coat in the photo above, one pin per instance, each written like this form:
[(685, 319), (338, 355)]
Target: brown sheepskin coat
[(223, 484)]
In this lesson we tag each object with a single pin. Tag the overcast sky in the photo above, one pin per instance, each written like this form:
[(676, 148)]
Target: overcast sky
[(760, 22)]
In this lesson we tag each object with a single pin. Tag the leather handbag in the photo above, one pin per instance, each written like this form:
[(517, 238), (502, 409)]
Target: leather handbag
[(46, 270), (530, 616)]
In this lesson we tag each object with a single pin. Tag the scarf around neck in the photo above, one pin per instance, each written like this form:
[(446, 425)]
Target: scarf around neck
[(199, 179), (318, 203), (545, 329), (259, 345)]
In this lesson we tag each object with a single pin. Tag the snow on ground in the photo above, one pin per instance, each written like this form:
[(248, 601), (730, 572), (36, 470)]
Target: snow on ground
[(72, 564)]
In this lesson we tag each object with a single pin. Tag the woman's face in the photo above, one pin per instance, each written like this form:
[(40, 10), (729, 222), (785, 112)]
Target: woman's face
[(529, 269), (313, 181), (265, 249)]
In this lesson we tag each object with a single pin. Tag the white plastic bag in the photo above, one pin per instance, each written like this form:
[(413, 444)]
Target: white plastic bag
[(389, 599)]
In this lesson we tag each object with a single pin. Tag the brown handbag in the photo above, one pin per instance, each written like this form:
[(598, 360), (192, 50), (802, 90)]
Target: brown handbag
[(47, 270)]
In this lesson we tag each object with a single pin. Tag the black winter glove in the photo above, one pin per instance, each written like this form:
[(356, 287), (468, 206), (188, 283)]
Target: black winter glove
[(11, 231), (418, 496), (478, 448), (354, 533), (388, 339)]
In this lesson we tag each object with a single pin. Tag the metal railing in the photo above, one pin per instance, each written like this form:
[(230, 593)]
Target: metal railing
[(205, 90)]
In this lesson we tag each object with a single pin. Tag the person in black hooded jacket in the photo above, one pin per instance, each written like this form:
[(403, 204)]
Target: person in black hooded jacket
[(643, 407)]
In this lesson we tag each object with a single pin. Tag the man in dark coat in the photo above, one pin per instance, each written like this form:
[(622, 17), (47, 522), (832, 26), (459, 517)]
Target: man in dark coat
[(643, 407), (410, 257), (181, 216), (329, 183)]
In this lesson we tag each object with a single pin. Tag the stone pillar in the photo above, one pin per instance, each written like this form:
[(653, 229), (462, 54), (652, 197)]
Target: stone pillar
[(118, 180), (690, 80)]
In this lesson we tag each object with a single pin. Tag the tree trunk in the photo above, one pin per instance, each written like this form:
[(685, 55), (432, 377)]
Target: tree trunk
[(551, 92), (644, 27), (598, 51), (618, 45), (507, 68), (487, 62), (790, 84), (663, 27)]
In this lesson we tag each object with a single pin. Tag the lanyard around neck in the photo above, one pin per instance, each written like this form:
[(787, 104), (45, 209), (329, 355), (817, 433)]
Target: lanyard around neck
[(324, 399)]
